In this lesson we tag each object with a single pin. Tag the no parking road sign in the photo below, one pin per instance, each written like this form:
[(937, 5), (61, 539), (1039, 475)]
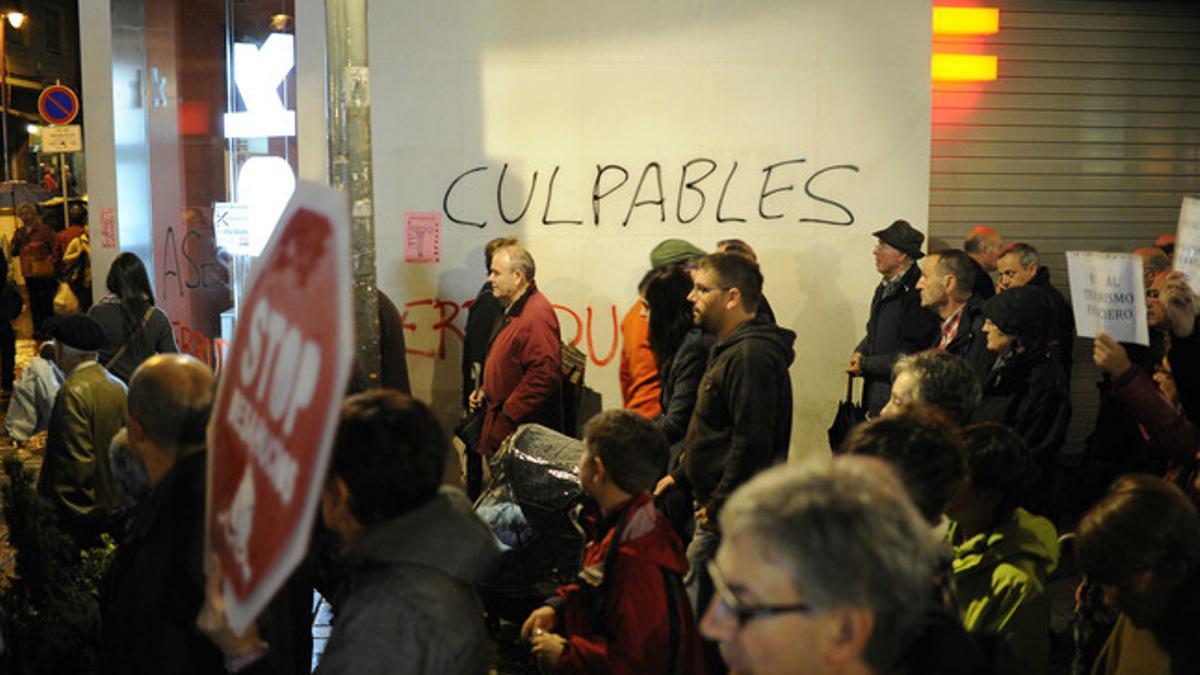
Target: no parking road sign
[(58, 104)]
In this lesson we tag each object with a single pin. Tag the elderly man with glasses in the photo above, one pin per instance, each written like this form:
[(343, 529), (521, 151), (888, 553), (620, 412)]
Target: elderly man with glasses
[(825, 567)]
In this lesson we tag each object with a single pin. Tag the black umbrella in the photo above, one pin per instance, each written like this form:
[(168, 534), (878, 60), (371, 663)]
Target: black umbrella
[(19, 192), (849, 414)]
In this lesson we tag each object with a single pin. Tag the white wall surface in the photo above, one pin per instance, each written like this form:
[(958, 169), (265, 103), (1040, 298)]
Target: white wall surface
[(573, 86)]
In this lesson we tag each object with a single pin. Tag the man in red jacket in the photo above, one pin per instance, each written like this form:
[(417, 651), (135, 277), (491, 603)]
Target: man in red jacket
[(628, 612), (522, 376)]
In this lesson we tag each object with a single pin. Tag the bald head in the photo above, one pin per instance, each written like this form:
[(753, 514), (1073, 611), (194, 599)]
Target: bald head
[(984, 244), (170, 398)]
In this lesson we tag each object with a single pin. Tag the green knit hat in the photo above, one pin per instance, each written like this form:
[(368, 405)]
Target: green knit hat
[(673, 251)]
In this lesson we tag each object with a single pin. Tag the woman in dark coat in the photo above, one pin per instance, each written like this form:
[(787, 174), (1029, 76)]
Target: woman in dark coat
[(1026, 389), (681, 351)]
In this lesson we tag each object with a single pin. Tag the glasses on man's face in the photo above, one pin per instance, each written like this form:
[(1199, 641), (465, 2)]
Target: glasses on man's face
[(727, 605), (702, 289)]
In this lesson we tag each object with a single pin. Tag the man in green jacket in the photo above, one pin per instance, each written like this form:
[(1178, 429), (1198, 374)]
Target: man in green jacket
[(1002, 553)]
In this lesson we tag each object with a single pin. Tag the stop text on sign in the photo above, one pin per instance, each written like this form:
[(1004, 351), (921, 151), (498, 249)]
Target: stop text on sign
[(277, 378)]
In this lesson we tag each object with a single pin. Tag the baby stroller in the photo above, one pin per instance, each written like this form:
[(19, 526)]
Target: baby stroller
[(528, 503)]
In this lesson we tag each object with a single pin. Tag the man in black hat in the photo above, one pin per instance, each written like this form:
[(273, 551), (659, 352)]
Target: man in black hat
[(88, 411), (898, 324)]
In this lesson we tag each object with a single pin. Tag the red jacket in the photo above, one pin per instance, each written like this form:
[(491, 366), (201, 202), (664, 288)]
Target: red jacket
[(522, 377), (640, 388), (628, 629)]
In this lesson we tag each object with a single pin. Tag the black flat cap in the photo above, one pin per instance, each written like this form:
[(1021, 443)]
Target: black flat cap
[(903, 237), (78, 331)]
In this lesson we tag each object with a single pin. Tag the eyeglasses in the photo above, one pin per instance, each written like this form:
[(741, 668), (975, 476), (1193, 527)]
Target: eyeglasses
[(705, 289), (727, 603)]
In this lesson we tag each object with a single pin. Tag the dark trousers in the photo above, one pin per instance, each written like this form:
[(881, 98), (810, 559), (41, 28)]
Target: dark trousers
[(41, 301), (474, 474)]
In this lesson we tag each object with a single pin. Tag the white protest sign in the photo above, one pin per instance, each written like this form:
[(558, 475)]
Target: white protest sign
[(1108, 295), (1187, 240)]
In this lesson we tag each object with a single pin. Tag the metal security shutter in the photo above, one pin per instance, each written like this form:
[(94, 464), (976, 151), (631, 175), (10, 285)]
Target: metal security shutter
[(1087, 140)]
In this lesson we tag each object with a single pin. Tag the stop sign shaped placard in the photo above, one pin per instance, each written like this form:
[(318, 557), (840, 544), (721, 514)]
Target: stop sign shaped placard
[(277, 404)]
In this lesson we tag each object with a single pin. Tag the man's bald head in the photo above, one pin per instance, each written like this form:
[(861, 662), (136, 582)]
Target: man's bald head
[(170, 399), (984, 244)]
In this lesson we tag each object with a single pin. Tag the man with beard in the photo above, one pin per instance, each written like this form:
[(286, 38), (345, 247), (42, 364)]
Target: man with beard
[(743, 417)]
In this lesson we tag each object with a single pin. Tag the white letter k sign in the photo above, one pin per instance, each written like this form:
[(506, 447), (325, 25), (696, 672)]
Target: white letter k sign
[(258, 72)]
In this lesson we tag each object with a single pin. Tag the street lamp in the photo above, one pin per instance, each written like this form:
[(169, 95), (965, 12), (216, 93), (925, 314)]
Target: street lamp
[(16, 20)]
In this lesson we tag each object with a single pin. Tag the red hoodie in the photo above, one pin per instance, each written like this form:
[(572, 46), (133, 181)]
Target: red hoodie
[(629, 628)]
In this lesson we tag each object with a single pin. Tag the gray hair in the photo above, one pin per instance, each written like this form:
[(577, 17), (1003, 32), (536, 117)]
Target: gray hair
[(519, 259), (1026, 253), (849, 536), (943, 381), (69, 356)]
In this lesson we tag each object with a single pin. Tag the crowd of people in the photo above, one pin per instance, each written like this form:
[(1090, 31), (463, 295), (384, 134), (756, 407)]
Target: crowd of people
[(927, 544)]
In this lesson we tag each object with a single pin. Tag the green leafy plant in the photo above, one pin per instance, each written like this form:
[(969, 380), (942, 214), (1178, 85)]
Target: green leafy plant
[(53, 605)]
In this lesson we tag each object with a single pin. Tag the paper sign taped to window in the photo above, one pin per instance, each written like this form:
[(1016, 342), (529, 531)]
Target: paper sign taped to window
[(231, 228), (1108, 294), (422, 236), (1187, 241)]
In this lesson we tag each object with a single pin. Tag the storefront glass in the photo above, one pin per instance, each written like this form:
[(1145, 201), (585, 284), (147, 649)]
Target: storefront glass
[(218, 84)]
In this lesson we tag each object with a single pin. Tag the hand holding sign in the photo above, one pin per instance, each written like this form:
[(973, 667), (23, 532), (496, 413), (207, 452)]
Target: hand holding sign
[(1108, 295), (1179, 304), (1110, 355), (214, 623)]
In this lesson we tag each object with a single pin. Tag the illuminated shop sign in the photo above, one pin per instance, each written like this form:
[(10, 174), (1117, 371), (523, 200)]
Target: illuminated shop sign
[(264, 183), (258, 72)]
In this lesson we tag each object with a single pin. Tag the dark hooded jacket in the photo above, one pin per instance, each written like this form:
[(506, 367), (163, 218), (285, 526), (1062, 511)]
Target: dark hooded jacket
[(1062, 327), (898, 325), (1026, 389), (1184, 357), (742, 422), (408, 604), (984, 287), (680, 381), (629, 613), (482, 316), (155, 586), (1118, 444)]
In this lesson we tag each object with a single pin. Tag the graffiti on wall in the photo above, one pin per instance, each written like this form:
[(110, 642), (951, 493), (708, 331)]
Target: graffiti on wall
[(435, 321)]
